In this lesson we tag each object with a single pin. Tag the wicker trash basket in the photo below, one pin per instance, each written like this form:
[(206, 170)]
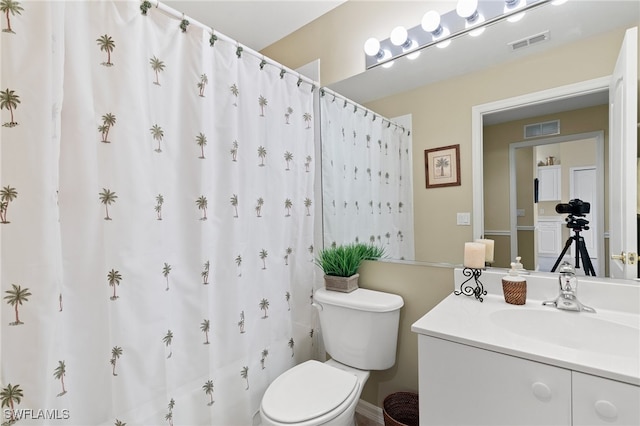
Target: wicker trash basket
[(400, 409)]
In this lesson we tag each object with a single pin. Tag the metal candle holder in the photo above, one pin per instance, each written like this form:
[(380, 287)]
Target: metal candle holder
[(467, 288)]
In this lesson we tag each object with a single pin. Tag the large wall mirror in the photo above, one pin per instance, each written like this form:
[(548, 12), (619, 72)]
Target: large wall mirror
[(403, 78)]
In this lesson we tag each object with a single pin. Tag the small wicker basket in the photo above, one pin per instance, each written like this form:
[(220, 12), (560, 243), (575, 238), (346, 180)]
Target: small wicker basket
[(401, 409), (342, 284), (515, 292)]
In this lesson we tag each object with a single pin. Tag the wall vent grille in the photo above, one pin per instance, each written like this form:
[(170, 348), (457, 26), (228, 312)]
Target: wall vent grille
[(529, 41), (547, 128)]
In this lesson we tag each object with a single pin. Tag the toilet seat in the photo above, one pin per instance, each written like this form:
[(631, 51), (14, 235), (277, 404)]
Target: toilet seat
[(309, 391)]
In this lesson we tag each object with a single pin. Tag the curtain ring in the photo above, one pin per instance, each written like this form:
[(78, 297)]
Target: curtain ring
[(263, 62)]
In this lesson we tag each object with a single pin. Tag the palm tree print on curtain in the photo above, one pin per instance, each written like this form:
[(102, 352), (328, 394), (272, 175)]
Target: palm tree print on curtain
[(59, 373), (113, 278), (234, 92), (291, 344), (201, 141), (259, 204), (116, 352), (264, 355), (168, 339), (108, 121), (169, 416), (208, 390), (205, 273), (241, 323), (107, 197), (262, 154), (204, 327), (158, 206), (234, 151), (7, 195), (106, 44), (264, 306), (288, 157), (157, 66), (158, 134), (244, 373), (166, 270), (238, 261), (287, 115), (202, 84), (13, 7), (306, 117), (234, 203), (16, 297), (202, 203), (10, 396), (262, 102), (263, 257), (9, 101)]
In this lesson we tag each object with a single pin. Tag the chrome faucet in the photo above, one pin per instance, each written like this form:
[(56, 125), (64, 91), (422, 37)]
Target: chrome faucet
[(568, 298)]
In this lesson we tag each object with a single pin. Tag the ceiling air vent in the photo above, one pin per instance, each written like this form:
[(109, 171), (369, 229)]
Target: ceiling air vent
[(529, 41), (547, 128)]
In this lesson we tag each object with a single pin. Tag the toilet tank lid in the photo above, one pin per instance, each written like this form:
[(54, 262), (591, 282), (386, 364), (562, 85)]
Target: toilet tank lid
[(361, 299)]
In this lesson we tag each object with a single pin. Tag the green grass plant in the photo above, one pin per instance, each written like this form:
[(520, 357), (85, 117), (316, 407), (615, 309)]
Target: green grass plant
[(344, 260)]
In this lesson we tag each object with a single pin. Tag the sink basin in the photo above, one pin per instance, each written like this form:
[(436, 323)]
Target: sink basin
[(581, 331)]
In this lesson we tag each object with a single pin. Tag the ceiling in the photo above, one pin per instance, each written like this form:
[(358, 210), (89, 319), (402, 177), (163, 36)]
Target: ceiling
[(259, 23), (254, 23)]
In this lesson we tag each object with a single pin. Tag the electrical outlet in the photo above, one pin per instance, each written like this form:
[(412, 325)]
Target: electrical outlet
[(520, 212), (463, 218)]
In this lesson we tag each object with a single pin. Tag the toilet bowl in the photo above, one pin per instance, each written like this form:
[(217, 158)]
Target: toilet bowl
[(360, 332), (314, 393)]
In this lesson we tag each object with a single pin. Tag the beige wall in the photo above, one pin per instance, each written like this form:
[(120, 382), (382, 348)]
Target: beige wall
[(441, 115), (422, 287)]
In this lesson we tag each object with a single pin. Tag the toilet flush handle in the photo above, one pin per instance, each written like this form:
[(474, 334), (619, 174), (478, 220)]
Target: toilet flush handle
[(317, 306)]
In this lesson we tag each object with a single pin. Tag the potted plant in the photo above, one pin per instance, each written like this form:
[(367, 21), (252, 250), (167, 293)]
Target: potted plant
[(340, 264)]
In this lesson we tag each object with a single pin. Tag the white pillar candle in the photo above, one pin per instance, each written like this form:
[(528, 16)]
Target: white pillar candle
[(474, 255), (488, 252)]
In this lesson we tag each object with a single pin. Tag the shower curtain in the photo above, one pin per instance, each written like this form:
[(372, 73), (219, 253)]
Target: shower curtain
[(156, 200), (366, 178)]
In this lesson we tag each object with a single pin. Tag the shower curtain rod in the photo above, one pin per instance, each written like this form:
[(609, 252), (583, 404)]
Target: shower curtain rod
[(325, 90), (179, 15)]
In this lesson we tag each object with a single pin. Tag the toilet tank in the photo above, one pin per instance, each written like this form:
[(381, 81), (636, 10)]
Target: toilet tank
[(360, 329)]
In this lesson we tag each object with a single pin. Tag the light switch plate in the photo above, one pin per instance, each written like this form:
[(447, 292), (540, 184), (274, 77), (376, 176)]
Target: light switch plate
[(520, 212), (463, 218)]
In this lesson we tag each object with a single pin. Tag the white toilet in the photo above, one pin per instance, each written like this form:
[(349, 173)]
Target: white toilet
[(360, 332)]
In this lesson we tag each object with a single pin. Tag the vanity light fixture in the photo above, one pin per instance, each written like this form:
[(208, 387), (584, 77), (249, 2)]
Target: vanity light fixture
[(469, 17)]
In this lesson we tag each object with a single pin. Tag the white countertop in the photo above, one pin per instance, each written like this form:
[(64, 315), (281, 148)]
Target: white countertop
[(489, 325)]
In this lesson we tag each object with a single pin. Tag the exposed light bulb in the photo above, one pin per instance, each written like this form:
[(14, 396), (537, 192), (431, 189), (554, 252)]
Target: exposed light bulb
[(467, 8), (372, 47), (399, 36), (431, 22)]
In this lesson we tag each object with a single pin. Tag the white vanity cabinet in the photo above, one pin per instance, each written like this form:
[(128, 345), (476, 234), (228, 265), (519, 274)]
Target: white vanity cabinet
[(599, 401), (463, 385)]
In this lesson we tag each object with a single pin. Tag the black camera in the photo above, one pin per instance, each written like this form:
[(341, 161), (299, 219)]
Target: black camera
[(574, 207)]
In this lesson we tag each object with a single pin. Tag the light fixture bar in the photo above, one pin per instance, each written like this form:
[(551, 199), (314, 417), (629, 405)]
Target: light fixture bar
[(492, 10)]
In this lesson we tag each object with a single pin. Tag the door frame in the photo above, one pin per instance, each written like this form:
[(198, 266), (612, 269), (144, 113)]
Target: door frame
[(595, 85), (598, 136)]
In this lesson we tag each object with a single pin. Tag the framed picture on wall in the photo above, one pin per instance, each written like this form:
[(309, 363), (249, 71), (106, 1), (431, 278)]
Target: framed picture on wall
[(442, 166)]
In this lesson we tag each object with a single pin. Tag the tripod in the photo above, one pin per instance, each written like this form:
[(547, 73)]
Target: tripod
[(581, 248)]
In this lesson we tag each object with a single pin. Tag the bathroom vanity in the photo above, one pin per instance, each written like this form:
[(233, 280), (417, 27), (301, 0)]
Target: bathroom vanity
[(492, 363)]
